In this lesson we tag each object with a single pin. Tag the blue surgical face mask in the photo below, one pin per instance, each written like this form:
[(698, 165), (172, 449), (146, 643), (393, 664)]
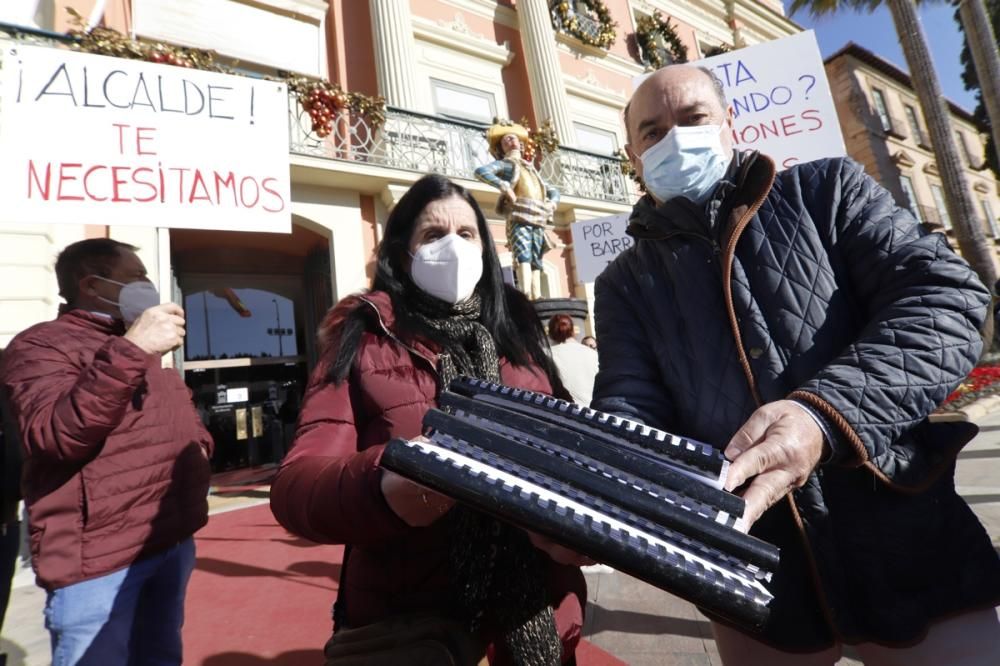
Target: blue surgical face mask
[(687, 162)]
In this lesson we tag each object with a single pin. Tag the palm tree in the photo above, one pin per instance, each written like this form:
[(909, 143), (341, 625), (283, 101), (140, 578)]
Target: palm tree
[(983, 47), (961, 208)]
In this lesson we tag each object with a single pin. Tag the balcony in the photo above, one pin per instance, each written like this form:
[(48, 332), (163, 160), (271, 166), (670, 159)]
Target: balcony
[(422, 143), (584, 174)]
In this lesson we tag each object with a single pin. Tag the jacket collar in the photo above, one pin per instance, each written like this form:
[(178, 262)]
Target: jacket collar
[(92, 320), (748, 176), (379, 304)]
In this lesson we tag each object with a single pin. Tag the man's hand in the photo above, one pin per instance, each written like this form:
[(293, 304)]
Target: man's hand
[(415, 505), (159, 329), (777, 447)]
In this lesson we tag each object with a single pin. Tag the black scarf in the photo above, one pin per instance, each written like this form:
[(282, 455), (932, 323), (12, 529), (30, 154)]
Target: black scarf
[(498, 576), (467, 347)]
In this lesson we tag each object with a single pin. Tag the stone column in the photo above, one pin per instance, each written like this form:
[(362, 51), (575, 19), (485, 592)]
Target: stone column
[(548, 92), (395, 52)]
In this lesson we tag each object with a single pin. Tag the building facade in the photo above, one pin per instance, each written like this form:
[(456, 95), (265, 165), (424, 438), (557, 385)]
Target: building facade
[(884, 130), (445, 68)]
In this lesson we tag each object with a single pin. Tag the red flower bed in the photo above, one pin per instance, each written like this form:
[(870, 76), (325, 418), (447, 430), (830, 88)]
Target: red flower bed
[(981, 379)]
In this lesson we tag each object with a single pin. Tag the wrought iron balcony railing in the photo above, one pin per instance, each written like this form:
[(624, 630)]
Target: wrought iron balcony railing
[(423, 143), (584, 174), (406, 140)]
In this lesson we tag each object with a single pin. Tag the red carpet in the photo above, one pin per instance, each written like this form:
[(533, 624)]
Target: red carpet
[(260, 595)]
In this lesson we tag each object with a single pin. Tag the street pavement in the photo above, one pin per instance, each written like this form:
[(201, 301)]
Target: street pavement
[(635, 622)]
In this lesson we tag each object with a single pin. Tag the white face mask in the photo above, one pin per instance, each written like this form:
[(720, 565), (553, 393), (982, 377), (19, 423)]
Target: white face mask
[(449, 268), (687, 162), (134, 298)]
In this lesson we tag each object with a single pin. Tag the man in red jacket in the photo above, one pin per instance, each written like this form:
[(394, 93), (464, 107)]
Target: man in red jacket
[(116, 467)]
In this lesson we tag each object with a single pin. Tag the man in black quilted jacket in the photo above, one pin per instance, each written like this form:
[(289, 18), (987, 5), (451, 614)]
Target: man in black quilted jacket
[(808, 325)]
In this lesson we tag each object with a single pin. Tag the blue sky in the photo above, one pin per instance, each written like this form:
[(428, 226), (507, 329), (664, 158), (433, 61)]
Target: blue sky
[(876, 33)]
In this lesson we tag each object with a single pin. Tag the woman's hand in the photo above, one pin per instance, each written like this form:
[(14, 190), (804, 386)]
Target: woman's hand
[(415, 505), (558, 554)]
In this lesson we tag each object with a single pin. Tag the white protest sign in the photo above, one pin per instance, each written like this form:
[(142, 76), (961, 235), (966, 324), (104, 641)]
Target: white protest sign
[(781, 100), (93, 139), (597, 242), (782, 107)]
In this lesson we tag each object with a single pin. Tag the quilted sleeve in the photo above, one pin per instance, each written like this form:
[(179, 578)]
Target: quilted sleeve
[(628, 383), (326, 489), (65, 412), (923, 306)]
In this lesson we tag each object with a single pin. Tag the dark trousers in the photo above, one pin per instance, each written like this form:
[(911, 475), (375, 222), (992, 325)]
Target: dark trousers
[(10, 543)]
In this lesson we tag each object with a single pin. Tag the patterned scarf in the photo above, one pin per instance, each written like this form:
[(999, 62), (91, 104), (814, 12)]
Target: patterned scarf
[(498, 576)]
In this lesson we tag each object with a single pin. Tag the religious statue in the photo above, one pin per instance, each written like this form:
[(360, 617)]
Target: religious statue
[(526, 201)]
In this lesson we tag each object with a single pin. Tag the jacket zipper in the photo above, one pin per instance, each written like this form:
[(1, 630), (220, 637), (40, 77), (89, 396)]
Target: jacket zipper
[(727, 288), (402, 344)]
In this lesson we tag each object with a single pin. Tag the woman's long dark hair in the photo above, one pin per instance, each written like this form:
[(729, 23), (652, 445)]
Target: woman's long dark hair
[(506, 313)]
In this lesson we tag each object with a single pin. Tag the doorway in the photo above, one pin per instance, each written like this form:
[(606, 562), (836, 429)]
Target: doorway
[(252, 303)]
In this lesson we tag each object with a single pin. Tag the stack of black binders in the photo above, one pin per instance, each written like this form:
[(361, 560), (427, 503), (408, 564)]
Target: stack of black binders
[(641, 500)]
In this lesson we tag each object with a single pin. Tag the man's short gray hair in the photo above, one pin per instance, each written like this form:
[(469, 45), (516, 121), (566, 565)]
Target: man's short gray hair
[(720, 95)]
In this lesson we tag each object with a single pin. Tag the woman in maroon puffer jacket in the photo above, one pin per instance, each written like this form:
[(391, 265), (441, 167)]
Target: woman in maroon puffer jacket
[(438, 308)]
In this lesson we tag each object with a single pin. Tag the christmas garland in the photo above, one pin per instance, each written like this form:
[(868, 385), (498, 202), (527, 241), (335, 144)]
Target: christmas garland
[(564, 18), (110, 42), (717, 50), (321, 99), (541, 141), (646, 30)]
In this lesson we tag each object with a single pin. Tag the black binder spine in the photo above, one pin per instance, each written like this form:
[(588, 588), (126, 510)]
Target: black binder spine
[(628, 458), (696, 456), (602, 483), (730, 599)]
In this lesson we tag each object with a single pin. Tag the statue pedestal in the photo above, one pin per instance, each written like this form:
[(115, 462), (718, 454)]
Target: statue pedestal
[(546, 308)]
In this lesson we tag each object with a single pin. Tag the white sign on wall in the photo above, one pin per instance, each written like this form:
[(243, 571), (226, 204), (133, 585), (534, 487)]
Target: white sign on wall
[(93, 139), (597, 242), (781, 100), (237, 394), (782, 107)]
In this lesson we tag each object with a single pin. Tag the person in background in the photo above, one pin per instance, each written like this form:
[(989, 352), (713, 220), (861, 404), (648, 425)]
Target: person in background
[(10, 499), (576, 363), (115, 461), (807, 326), (589, 341), (438, 308)]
